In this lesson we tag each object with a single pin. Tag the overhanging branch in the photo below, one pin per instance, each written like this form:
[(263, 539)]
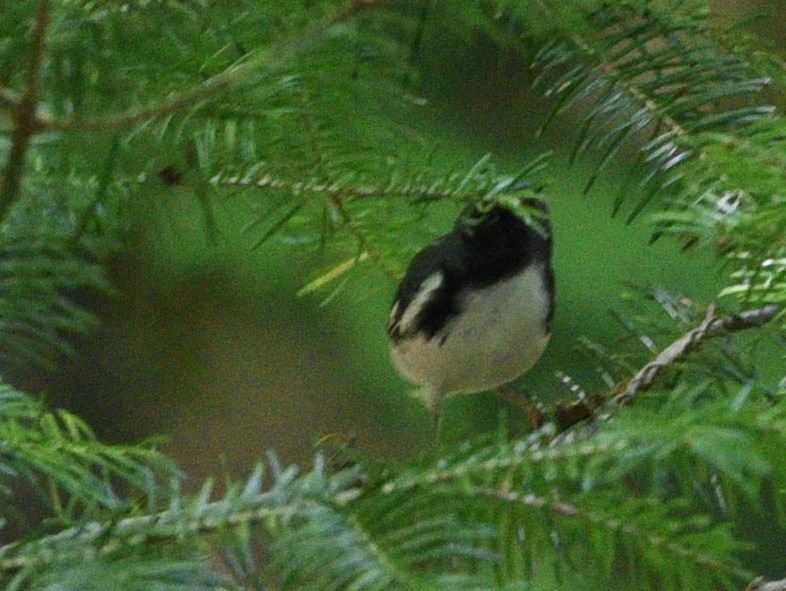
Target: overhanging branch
[(279, 53)]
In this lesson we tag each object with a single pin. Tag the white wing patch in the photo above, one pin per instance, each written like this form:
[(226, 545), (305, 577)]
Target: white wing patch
[(392, 316), (430, 284)]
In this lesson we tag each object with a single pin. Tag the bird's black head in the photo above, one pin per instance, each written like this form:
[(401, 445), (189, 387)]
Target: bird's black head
[(504, 237), (498, 220)]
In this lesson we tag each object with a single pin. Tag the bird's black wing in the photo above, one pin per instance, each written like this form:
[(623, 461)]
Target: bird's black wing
[(446, 256)]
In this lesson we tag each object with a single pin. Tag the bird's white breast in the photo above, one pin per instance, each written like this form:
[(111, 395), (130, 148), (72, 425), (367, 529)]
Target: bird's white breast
[(500, 334)]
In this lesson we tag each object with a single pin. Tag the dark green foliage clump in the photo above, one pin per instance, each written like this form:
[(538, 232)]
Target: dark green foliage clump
[(306, 113)]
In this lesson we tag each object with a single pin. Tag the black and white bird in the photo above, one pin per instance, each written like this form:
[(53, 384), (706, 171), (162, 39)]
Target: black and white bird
[(474, 309)]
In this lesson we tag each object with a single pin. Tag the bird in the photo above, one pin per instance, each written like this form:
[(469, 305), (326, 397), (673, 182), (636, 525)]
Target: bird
[(475, 307)]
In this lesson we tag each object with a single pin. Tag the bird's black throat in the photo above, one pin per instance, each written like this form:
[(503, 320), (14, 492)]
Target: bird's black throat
[(498, 246)]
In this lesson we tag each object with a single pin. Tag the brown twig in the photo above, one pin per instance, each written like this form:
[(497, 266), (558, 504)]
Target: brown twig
[(567, 414), (9, 99), (25, 114)]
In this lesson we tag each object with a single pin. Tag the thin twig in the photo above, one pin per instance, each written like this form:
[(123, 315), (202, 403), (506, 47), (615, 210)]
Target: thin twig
[(420, 192), (9, 99), (25, 114), (534, 413)]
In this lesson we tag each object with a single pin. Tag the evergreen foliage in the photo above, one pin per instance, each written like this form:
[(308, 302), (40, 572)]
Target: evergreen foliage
[(300, 110)]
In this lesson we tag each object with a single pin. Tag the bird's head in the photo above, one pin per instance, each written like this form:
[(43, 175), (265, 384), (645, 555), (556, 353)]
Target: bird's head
[(505, 212)]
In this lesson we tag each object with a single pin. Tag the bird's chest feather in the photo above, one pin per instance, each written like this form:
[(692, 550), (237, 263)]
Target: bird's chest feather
[(501, 317), (499, 334)]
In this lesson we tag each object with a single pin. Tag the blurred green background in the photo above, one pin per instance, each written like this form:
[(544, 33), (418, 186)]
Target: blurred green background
[(206, 344)]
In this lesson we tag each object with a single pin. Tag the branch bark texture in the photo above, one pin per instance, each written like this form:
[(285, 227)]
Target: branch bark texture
[(25, 116)]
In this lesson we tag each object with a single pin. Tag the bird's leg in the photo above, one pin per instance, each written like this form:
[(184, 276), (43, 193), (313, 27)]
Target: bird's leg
[(437, 417), (536, 417), (435, 398)]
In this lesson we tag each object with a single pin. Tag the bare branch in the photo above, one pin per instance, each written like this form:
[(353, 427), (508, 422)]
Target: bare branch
[(25, 114)]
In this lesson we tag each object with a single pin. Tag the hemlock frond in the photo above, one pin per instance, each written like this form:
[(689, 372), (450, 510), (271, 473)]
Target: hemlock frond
[(707, 434), (57, 454), (613, 545), (39, 316), (767, 283), (621, 501), (355, 205), (651, 74), (574, 491), (652, 320), (52, 255), (661, 81), (657, 79), (325, 533), (153, 570)]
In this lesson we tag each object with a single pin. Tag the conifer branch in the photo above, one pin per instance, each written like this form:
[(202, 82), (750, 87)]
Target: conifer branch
[(610, 70), (171, 524), (363, 242), (569, 511), (652, 79), (416, 191), (277, 54), (528, 456), (401, 522), (319, 161), (25, 114)]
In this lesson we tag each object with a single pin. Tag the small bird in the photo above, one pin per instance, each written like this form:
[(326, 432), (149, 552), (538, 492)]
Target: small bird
[(474, 309)]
